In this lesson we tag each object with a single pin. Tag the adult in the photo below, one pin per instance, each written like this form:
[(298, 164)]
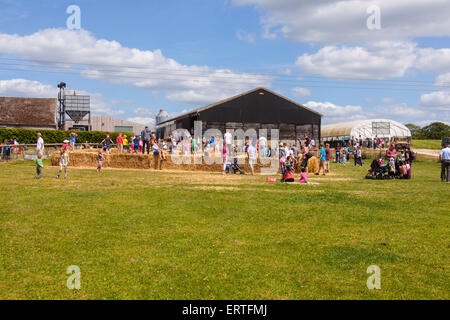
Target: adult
[(251, 150), (263, 146), (444, 157), (307, 141), (283, 156), (327, 158), (294, 150), (146, 135), (391, 152), (39, 145), (228, 137), (323, 157), (409, 158)]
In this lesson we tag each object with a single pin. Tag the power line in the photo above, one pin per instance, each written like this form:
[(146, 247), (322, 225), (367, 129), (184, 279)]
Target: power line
[(216, 73), (242, 81)]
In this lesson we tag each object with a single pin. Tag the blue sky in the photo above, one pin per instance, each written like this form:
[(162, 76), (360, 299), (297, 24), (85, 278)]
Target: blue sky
[(186, 54)]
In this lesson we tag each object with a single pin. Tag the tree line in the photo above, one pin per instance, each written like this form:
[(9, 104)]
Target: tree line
[(435, 131)]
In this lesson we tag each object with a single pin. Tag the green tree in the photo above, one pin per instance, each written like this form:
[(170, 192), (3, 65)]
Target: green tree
[(416, 131), (436, 130)]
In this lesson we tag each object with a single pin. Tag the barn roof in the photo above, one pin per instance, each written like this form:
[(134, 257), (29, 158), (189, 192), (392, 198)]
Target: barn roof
[(215, 104), (39, 112)]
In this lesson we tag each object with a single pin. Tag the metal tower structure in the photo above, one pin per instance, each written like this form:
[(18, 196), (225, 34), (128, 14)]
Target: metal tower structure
[(75, 106)]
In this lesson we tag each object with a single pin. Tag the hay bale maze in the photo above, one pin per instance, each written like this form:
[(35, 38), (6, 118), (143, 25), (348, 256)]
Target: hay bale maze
[(88, 159)]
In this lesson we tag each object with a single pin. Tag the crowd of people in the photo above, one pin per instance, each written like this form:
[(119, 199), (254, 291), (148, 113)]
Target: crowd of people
[(293, 159), (8, 148)]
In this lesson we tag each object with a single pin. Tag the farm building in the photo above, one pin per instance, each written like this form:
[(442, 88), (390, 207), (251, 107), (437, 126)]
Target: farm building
[(28, 113), (364, 129), (257, 109), (106, 123)]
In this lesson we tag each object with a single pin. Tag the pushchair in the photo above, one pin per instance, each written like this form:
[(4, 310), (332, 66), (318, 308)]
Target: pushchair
[(235, 167), (379, 170)]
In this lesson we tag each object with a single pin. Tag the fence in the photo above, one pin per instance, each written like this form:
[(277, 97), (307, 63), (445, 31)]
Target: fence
[(28, 151)]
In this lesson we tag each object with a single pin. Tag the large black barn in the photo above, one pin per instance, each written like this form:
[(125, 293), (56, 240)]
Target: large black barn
[(257, 109)]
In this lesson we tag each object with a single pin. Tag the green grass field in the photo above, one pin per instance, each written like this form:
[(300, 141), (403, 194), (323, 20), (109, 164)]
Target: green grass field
[(177, 235), (427, 144)]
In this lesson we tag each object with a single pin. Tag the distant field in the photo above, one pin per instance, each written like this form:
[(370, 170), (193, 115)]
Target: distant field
[(176, 235), (427, 144)]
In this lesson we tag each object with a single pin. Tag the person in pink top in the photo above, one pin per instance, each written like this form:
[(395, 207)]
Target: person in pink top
[(303, 176), (224, 157), (391, 152)]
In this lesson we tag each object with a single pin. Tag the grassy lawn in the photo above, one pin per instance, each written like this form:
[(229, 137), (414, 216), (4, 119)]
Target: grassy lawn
[(427, 144), (177, 235)]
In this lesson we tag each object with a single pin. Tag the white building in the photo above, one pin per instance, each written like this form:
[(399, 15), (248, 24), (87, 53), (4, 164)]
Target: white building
[(106, 124), (364, 129)]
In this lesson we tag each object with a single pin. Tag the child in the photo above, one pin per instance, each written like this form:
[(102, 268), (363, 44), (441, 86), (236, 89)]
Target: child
[(63, 163), (39, 166), (119, 141), (107, 143), (125, 143), (141, 144), (303, 176), (358, 156), (65, 144), (100, 160), (344, 159)]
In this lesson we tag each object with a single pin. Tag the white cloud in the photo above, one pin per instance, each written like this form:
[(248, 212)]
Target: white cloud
[(387, 100), (27, 88), (401, 112), (346, 20), (443, 80), (300, 93), (36, 89), (148, 121), (381, 60), (245, 36), (197, 97), (110, 61), (335, 113), (144, 112), (434, 60), (437, 99)]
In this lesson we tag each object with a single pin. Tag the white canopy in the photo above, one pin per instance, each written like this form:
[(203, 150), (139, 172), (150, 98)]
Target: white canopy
[(363, 129)]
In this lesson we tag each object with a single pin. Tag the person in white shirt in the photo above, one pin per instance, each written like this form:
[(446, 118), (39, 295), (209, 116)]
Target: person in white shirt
[(40, 145), (262, 146), (229, 142), (252, 157), (444, 157)]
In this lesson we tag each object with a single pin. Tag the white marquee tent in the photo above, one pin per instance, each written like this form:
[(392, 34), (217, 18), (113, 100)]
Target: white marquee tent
[(363, 129)]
